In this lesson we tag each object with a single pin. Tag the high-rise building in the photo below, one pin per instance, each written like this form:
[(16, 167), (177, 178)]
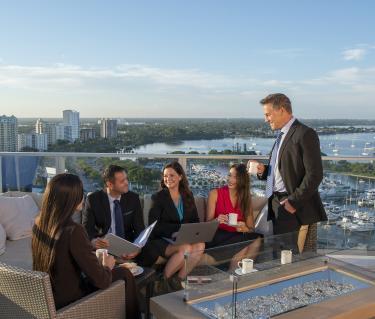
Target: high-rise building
[(50, 130), (88, 134), (108, 128), (61, 130), (40, 126), (8, 133), (40, 141), (33, 140), (23, 140), (71, 118)]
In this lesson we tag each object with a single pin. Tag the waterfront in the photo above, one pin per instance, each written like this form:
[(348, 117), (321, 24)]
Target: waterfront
[(335, 144)]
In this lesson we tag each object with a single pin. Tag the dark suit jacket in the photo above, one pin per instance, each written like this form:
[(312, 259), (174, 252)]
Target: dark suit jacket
[(96, 216), (165, 212), (300, 166), (74, 257)]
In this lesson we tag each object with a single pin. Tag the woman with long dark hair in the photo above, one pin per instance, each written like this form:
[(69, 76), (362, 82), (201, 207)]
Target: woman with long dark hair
[(233, 198), (61, 248), (172, 206)]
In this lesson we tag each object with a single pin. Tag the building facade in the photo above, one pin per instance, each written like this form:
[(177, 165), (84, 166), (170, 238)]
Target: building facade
[(8, 133), (71, 119), (108, 128)]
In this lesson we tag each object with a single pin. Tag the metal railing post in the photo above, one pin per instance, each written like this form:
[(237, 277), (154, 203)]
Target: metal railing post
[(60, 164), (1, 174), (17, 169), (183, 162)]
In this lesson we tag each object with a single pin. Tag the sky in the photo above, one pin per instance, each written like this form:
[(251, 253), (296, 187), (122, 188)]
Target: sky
[(196, 58)]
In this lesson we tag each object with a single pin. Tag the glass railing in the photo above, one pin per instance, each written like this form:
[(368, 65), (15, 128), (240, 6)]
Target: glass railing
[(347, 190), (213, 287), (267, 277)]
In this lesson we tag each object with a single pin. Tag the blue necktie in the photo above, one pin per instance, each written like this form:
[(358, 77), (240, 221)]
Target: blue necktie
[(271, 166), (119, 219)]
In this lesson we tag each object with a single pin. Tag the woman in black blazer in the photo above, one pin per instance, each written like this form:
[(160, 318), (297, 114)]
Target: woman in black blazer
[(172, 206), (61, 248)]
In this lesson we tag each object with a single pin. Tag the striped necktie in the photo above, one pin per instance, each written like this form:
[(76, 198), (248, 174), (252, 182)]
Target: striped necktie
[(271, 166)]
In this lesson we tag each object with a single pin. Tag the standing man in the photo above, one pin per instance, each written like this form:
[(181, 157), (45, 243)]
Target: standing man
[(114, 209), (293, 173)]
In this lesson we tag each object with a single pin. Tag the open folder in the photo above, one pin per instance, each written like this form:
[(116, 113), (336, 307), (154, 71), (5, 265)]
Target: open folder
[(119, 246)]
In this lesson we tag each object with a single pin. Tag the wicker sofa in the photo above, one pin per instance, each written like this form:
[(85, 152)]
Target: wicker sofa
[(28, 294), (18, 252)]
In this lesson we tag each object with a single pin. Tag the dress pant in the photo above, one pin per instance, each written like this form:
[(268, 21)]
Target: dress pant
[(286, 226)]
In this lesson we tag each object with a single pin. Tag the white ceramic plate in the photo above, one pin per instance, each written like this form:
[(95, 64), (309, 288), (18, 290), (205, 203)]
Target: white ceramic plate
[(239, 272)]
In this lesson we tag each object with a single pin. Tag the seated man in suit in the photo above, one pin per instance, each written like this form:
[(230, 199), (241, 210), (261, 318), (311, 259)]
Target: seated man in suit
[(114, 210)]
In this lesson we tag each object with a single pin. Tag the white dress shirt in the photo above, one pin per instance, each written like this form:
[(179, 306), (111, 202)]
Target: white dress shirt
[(279, 185)]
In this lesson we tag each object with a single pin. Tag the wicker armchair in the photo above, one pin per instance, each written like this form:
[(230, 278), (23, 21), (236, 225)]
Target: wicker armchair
[(28, 294)]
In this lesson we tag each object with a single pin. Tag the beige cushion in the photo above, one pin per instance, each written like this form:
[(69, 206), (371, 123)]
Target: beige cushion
[(201, 204), (17, 216), (37, 197), (18, 253), (262, 225), (258, 204), (147, 202), (3, 238)]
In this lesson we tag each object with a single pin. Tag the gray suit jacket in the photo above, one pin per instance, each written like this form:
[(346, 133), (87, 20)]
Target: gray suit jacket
[(301, 169)]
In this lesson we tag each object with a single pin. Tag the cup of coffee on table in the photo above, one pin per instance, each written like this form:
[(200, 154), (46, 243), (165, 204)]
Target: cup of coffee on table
[(286, 257), (246, 265)]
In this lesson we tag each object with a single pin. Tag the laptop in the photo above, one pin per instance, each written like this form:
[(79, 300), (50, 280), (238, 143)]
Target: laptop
[(119, 246), (193, 233)]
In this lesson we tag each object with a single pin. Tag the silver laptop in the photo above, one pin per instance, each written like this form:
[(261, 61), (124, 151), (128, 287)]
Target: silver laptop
[(195, 233)]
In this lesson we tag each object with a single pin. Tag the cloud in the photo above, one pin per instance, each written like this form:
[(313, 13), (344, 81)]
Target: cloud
[(354, 54), (174, 88), (353, 76), (61, 76), (182, 77)]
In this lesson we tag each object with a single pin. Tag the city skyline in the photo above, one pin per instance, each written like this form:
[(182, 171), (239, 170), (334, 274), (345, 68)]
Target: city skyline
[(195, 60)]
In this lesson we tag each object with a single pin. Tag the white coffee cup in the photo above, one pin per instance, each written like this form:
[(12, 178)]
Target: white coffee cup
[(253, 168), (100, 253), (246, 265), (232, 219), (286, 257)]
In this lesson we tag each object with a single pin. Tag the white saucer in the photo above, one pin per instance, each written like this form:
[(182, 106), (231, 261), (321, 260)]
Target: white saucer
[(232, 225), (239, 272), (136, 271)]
